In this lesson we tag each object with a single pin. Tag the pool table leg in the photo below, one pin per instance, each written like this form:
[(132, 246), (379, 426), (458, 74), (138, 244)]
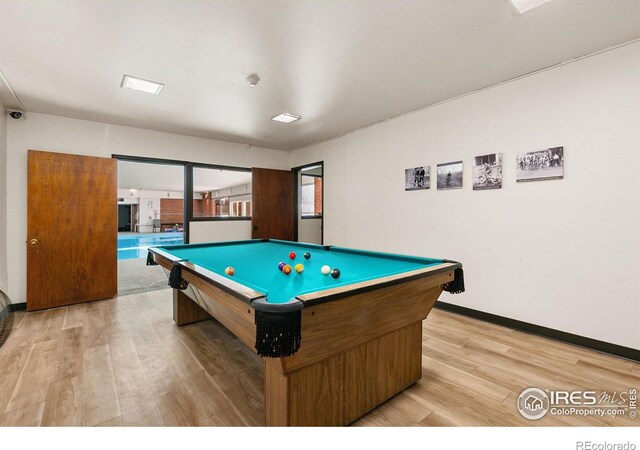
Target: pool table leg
[(186, 311), (343, 387)]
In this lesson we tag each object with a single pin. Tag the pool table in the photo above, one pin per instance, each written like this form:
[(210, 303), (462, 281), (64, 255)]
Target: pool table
[(333, 348)]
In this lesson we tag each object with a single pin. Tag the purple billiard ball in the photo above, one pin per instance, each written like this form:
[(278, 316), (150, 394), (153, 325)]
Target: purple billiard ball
[(281, 265), (335, 273)]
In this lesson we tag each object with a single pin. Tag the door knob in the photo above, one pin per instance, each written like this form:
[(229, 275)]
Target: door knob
[(34, 241)]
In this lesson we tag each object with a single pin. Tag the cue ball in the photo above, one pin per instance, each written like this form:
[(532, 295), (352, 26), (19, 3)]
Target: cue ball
[(292, 255), (229, 271), (325, 270), (281, 265), (335, 273), (307, 255), (286, 269), (299, 268)]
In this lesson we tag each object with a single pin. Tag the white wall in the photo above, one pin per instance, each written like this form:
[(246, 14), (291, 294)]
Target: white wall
[(46, 132), (563, 254), (226, 230), (3, 196), (310, 230)]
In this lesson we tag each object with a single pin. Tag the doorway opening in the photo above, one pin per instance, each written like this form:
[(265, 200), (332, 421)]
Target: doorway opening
[(151, 212), (124, 218), (309, 203)]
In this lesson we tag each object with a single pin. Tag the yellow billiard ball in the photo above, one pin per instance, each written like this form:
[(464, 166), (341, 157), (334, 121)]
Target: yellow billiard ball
[(299, 268)]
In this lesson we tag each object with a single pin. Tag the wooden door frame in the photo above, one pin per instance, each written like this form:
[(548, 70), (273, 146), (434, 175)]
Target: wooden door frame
[(296, 209)]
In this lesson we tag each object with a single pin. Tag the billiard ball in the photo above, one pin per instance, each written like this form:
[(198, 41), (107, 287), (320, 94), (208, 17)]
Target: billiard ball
[(281, 265), (286, 269), (229, 271), (292, 255), (325, 270), (299, 268), (335, 273), (307, 255)]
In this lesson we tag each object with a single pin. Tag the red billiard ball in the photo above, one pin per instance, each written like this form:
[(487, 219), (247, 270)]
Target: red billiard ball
[(281, 265), (229, 271), (292, 255), (286, 269)]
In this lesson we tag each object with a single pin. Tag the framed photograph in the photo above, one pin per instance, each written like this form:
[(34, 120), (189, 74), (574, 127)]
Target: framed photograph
[(547, 164), (487, 172), (417, 178), (450, 175)]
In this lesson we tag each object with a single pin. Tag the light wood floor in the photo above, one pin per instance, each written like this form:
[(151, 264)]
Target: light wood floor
[(124, 362)]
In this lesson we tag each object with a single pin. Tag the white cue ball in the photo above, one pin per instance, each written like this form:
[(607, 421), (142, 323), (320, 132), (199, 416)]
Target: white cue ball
[(325, 270)]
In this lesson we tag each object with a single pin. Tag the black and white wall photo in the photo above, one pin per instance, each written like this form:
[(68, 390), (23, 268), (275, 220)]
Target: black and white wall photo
[(547, 164), (487, 172), (450, 175), (417, 178)]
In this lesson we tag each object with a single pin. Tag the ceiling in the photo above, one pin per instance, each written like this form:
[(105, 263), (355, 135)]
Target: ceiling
[(340, 64), (163, 177)]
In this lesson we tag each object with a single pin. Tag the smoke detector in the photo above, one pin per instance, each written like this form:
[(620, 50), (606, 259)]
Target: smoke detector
[(253, 80)]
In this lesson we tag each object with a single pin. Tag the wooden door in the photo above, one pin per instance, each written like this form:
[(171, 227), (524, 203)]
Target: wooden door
[(272, 209), (72, 218)]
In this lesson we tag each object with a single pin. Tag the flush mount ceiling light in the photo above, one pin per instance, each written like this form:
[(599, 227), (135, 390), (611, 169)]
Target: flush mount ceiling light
[(286, 118), (523, 6), (142, 85)]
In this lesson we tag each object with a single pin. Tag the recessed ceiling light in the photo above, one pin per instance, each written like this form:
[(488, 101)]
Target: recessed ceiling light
[(286, 118), (522, 6), (142, 85)]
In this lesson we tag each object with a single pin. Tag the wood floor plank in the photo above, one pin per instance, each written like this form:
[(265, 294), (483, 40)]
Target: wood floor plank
[(72, 318), (13, 362), (29, 416), (99, 387), (94, 324), (71, 348), (51, 324), (115, 422), (477, 386), (246, 394), (139, 408), (410, 405), (63, 404), (33, 383), (126, 364), (231, 417)]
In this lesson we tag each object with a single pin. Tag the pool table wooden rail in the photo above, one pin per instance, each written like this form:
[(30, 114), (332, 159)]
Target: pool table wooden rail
[(239, 290), (357, 350)]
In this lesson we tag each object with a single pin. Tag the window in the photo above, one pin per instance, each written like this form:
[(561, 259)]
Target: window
[(221, 193), (311, 195)]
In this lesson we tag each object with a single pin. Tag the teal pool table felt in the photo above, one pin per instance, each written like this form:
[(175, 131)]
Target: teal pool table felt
[(256, 265)]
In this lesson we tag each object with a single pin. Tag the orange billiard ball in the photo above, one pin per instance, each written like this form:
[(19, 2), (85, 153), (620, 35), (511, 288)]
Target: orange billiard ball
[(286, 269), (229, 271)]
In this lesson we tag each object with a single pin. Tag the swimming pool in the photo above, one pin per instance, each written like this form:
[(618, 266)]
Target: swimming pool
[(136, 245)]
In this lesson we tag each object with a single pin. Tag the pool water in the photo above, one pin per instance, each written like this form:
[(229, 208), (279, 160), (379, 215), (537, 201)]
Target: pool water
[(132, 246)]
